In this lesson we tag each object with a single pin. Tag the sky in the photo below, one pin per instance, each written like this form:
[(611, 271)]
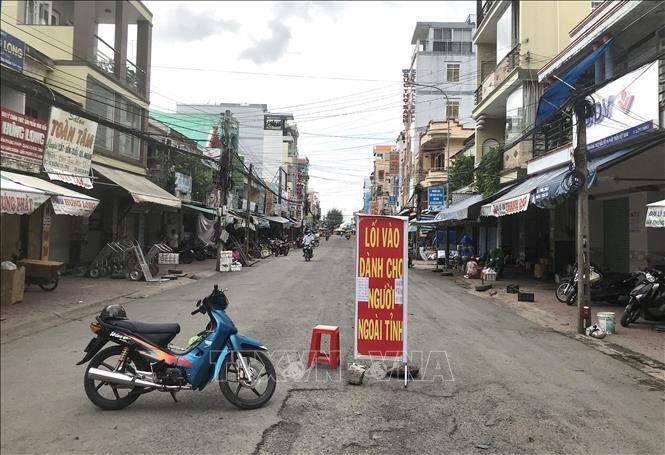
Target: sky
[(335, 65)]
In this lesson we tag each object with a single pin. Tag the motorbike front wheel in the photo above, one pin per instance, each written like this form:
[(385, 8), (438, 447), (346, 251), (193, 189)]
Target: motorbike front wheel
[(238, 390), (108, 396), (563, 291), (631, 313)]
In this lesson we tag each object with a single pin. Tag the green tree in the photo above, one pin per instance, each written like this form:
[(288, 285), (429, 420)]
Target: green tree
[(461, 172), (334, 218), (487, 175)]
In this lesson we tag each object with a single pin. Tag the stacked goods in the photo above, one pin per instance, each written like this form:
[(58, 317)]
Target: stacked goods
[(236, 267), (168, 258), (225, 260)]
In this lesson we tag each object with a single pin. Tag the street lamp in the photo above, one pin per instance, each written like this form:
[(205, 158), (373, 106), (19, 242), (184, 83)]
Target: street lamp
[(440, 90)]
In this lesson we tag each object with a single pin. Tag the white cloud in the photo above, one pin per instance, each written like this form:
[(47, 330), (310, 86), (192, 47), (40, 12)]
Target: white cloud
[(355, 40)]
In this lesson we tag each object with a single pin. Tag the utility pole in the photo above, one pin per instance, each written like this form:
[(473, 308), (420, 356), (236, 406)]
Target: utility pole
[(249, 193), (580, 155), (224, 172), (279, 198)]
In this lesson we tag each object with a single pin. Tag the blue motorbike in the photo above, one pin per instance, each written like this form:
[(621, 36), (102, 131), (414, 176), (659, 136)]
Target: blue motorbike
[(142, 360)]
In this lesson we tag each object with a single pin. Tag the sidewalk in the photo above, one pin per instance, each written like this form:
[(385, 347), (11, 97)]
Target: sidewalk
[(639, 342), (76, 296)]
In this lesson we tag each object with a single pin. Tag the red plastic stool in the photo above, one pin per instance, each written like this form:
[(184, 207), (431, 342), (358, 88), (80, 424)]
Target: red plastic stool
[(315, 354)]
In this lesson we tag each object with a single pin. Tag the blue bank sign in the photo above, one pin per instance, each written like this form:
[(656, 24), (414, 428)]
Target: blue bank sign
[(435, 198), (392, 201), (13, 52)]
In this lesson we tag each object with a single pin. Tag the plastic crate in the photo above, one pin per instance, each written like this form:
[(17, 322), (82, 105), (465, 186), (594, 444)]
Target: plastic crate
[(168, 258)]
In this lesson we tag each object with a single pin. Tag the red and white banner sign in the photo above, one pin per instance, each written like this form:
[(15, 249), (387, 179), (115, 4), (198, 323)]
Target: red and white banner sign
[(22, 141), (510, 206), (381, 284), (21, 203), (65, 205)]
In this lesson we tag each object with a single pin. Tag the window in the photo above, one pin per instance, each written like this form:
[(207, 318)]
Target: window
[(130, 116), (101, 101), (504, 34), (515, 114), (452, 110), (452, 74), (381, 175), (41, 13)]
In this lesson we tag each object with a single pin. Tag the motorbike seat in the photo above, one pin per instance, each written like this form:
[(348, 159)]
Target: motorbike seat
[(161, 333)]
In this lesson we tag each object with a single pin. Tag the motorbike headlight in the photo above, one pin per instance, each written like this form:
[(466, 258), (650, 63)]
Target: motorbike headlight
[(650, 277)]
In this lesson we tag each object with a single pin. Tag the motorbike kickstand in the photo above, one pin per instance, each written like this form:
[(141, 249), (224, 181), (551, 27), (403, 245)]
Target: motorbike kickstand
[(173, 396)]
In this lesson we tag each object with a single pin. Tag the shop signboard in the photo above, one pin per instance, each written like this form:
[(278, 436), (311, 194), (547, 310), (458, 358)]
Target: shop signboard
[(13, 52), (435, 198), (655, 215), (183, 186), (392, 200), (69, 146), (510, 206), (381, 283), (624, 108), (394, 163), (20, 200), (22, 141), (66, 205)]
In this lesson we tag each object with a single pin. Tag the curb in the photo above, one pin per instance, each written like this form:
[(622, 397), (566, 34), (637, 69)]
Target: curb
[(651, 367), (11, 334)]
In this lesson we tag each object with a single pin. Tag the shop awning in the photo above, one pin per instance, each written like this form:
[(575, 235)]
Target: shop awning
[(63, 200), (558, 93), (517, 199), (655, 215), (140, 188), (276, 219), (459, 210), (552, 192), (19, 199), (200, 209)]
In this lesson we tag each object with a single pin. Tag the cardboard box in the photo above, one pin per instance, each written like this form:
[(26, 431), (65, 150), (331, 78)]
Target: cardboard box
[(224, 268), (236, 267), (12, 284)]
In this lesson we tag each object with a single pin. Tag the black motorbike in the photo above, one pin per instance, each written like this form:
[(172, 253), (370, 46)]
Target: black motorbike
[(308, 252), (284, 247), (605, 286), (647, 299)]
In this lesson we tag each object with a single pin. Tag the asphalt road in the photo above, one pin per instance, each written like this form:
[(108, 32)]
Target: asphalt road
[(492, 381)]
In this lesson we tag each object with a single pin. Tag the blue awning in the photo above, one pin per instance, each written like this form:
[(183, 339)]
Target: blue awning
[(558, 93), (459, 210), (558, 188)]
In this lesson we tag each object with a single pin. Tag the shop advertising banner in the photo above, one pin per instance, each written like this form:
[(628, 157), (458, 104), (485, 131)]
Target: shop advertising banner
[(381, 284), (22, 141), (12, 52), (624, 108), (69, 146), (66, 205), (435, 196)]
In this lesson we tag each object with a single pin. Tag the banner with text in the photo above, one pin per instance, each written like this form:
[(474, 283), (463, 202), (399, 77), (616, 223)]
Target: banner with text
[(68, 150), (22, 141), (381, 284)]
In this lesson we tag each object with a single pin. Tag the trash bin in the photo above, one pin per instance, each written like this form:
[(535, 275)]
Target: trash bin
[(12, 284)]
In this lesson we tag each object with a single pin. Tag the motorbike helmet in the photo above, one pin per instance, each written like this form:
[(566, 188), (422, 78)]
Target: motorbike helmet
[(114, 311)]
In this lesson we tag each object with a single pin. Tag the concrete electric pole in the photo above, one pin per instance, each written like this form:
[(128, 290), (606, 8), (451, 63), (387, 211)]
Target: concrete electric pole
[(583, 271)]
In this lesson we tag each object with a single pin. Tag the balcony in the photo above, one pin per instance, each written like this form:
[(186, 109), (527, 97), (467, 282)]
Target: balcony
[(504, 69), (105, 56)]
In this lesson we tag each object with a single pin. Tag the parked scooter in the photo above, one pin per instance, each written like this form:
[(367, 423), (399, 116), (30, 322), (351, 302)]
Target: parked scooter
[(605, 286), (647, 299), (142, 360), (284, 247)]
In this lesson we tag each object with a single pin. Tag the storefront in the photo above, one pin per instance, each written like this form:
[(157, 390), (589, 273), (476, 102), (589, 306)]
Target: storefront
[(40, 230)]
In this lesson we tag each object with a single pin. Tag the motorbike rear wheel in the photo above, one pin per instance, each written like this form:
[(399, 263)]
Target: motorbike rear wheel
[(107, 396), (235, 387), (186, 257)]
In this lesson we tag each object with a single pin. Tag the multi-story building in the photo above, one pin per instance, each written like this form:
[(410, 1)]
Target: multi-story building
[(512, 43), (87, 58), (443, 58)]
